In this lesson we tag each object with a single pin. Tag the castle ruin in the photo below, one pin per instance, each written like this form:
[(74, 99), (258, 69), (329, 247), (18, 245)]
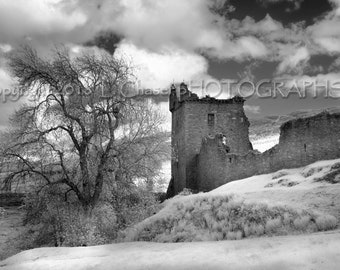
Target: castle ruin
[(211, 147)]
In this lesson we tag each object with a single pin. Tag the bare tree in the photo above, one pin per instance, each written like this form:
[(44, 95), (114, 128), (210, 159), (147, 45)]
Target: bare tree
[(79, 132)]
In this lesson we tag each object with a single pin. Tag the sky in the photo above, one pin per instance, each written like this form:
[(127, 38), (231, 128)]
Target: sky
[(200, 42)]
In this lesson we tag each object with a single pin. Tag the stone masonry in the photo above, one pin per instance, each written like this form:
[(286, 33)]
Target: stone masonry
[(211, 147)]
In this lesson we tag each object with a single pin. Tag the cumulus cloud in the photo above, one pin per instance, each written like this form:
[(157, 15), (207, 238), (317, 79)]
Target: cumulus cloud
[(186, 24), (240, 49), (167, 37), (326, 32), (171, 34), (264, 26), (336, 3), (160, 69), (330, 44), (279, 41), (36, 18), (335, 65), (298, 57)]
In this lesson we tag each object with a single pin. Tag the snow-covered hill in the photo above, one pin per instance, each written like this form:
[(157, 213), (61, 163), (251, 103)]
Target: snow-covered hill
[(289, 201), (315, 187), (297, 197)]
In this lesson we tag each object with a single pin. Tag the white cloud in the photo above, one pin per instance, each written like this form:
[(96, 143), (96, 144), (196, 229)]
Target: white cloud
[(160, 69), (266, 25), (21, 18), (255, 47), (185, 24), (326, 32), (337, 6), (330, 44), (279, 42), (242, 48), (171, 33), (298, 57)]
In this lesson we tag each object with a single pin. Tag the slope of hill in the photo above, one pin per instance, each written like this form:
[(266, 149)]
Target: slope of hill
[(303, 198), (290, 201)]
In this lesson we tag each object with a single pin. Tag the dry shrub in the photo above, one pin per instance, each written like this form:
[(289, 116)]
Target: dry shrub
[(203, 218), (279, 174), (273, 225), (301, 222), (311, 171), (326, 222), (51, 221)]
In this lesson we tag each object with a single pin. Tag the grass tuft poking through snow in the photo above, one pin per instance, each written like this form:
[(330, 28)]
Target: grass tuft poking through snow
[(332, 177), (212, 218)]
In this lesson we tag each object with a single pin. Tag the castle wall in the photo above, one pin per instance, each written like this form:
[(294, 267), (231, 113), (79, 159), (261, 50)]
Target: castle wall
[(178, 155), (194, 119), (229, 120), (302, 142)]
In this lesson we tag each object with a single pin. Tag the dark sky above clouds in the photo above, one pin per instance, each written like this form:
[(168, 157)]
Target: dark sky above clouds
[(183, 40)]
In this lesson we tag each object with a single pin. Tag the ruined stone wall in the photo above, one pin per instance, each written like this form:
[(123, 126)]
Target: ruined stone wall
[(192, 120), (302, 142), (178, 161), (229, 120)]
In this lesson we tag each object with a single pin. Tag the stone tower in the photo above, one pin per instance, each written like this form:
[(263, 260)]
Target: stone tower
[(195, 118)]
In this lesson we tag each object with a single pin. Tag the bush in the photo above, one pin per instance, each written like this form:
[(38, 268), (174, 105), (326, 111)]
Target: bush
[(204, 218), (273, 225), (81, 229), (302, 222), (53, 222), (326, 222)]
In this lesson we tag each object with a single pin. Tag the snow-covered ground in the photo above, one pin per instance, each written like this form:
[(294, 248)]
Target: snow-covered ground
[(317, 251), (301, 178), (298, 188), (301, 188)]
